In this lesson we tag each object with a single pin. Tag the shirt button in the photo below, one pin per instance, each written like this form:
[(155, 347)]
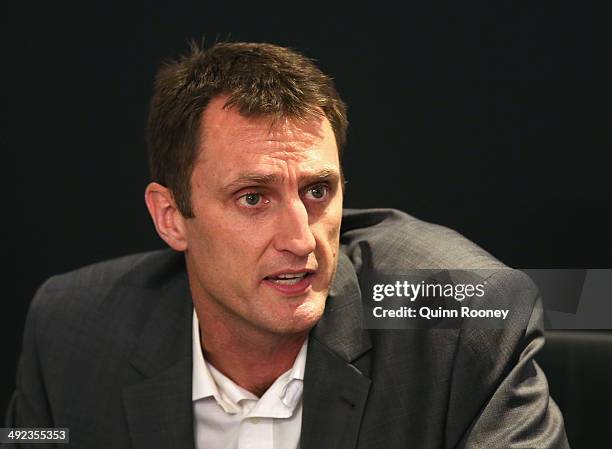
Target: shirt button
[(254, 420)]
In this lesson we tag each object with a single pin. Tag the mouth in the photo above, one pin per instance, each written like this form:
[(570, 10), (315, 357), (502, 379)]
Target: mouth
[(290, 283)]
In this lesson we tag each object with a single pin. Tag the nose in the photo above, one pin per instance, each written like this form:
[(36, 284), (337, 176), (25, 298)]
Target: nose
[(294, 233)]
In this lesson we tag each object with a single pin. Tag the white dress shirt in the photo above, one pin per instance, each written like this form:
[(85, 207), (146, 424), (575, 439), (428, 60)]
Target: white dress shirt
[(226, 416)]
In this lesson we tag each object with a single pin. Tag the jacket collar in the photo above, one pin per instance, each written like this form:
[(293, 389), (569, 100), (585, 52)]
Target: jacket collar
[(335, 391), (158, 408), (341, 327)]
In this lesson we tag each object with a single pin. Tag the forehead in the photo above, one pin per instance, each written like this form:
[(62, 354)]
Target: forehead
[(227, 135)]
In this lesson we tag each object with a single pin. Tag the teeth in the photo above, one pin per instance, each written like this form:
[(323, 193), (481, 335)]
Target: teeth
[(291, 276), (288, 279)]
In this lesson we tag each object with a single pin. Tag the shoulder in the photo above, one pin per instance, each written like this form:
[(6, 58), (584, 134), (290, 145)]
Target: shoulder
[(391, 242), (84, 326), (94, 295), (139, 270), (397, 240)]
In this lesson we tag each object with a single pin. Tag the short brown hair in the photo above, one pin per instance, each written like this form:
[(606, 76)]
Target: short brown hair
[(259, 79)]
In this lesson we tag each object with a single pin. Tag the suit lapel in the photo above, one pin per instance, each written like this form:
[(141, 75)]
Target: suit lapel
[(335, 391), (159, 408)]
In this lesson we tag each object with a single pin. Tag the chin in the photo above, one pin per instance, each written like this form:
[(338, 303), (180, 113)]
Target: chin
[(301, 319)]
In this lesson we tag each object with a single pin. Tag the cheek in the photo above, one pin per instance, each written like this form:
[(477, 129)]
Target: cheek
[(237, 249), (329, 230), (332, 221), (210, 245), (250, 237)]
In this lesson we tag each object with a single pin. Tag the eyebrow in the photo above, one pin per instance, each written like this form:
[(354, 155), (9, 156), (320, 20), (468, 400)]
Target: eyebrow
[(246, 179)]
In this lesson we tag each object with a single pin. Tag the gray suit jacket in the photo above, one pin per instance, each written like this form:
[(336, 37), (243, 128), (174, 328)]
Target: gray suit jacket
[(107, 353)]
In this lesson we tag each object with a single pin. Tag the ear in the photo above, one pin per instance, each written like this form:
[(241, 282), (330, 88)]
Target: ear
[(169, 222)]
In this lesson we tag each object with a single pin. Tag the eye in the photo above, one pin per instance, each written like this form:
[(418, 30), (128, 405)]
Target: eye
[(318, 192), (252, 199)]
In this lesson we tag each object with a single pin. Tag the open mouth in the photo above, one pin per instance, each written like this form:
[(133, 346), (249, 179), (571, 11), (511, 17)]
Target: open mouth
[(288, 279)]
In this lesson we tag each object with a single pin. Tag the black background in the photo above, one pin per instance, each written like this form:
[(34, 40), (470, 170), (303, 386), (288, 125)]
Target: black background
[(490, 118)]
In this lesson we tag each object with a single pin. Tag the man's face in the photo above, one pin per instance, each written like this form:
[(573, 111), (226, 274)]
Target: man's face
[(267, 198)]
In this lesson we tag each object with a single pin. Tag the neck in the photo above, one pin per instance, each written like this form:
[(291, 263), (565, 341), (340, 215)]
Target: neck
[(253, 359)]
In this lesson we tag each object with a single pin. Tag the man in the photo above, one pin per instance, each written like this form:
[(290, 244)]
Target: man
[(249, 332)]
